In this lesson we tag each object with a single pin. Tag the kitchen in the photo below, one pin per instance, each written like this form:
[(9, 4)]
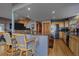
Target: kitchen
[(54, 35)]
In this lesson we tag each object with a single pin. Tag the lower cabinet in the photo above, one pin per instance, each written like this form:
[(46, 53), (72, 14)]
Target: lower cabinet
[(74, 45)]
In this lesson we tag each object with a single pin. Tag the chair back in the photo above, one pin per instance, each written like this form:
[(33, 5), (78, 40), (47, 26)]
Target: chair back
[(7, 38), (29, 36), (31, 47), (20, 38)]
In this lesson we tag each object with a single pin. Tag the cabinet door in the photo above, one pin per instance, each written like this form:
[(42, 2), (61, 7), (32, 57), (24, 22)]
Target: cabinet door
[(38, 27), (46, 27), (73, 45)]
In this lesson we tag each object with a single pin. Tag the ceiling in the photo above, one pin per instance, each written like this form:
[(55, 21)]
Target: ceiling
[(43, 11)]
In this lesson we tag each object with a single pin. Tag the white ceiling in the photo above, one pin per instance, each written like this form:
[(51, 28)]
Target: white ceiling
[(44, 10), (5, 10)]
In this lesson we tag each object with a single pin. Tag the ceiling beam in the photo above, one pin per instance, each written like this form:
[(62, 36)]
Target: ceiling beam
[(19, 6)]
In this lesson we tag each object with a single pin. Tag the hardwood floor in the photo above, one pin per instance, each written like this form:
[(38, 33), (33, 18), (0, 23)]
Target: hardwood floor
[(60, 49)]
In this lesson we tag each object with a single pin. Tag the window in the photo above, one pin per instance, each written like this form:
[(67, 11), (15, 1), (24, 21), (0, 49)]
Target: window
[(1, 27)]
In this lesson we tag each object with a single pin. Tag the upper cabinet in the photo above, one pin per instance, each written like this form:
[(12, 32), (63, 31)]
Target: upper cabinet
[(46, 27), (38, 27)]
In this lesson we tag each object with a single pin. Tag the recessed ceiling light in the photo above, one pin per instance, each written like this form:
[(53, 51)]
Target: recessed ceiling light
[(28, 16), (28, 9), (53, 12)]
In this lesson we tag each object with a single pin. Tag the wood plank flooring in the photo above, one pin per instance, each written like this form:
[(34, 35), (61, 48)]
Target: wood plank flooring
[(60, 49)]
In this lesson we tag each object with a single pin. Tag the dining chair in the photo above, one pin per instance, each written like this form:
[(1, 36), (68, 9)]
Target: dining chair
[(25, 45), (35, 43), (9, 44)]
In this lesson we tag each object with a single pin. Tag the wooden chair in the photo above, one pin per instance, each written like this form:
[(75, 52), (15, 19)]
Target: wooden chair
[(9, 46), (34, 43), (26, 46)]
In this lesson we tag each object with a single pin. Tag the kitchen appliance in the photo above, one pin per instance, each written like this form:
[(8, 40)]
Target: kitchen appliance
[(55, 31)]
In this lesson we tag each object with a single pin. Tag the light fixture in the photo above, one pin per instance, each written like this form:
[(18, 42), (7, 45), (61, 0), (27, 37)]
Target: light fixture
[(28, 9), (28, 16), (53, 12)]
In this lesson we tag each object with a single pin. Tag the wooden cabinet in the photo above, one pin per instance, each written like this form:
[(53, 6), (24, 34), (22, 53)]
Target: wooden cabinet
[(74, 45), (46, 27), (38, 27), (61, 34)]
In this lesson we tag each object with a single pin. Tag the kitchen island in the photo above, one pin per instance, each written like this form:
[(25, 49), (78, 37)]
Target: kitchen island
[(41, 45)]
